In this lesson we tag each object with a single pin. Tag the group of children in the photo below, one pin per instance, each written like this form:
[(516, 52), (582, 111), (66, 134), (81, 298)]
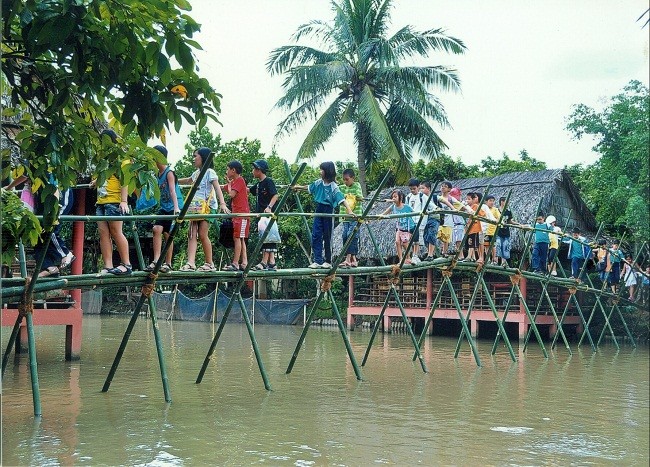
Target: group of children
[(443, 232)]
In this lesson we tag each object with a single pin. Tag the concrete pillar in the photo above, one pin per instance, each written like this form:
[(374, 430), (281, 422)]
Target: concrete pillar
[(474, 328), (386, 323)]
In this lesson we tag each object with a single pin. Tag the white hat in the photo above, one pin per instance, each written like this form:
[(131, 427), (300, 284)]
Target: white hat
[(550, 219)]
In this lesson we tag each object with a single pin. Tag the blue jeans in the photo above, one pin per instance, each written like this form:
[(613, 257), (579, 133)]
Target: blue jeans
[(576, 266), (540, 255), (321, 234), (503, 247), (348, 228)]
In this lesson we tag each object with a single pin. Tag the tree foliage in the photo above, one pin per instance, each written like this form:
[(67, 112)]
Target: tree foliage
[(359, 76), (616, 187), (490, 167), (70, 64)]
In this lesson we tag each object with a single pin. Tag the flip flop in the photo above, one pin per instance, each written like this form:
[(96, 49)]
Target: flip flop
[(116, 271)]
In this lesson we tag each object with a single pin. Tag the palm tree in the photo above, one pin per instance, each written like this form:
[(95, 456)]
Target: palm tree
[(359, 78)]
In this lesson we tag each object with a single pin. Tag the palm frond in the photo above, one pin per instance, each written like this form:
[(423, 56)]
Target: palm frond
[(316, 29), (409, 126), (407, 43), (301, 114), (417, 80), (285, 57), (303, 82), (321, 132), (370, 113)]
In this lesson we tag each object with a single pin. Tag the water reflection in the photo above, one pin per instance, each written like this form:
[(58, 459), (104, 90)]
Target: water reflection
[(585, 408)]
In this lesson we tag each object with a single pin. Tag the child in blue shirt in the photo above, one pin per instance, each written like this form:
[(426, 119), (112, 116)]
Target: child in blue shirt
[(327, 196), (578, 252), (405, 225), (540, 248)]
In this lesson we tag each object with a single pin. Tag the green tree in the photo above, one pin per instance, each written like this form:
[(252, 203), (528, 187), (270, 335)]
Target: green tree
[(359, 77), (490, 167), (69, 62), (616, 186)]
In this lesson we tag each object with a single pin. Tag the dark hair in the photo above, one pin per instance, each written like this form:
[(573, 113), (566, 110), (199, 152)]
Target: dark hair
[(349, 173), (111, 135), (426, 184), (447, 184), (161, 149), (203, 153), (503, 198), (414, 182), (401, 197), (477, 196), (235, 165), (329, 171), (470, 194), (489, 197)]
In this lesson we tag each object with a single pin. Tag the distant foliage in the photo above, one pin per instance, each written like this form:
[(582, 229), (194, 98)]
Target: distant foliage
[(617, 186)]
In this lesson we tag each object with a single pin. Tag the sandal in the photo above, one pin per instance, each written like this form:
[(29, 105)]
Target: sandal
[(165, 268), (271, 267), (116, 271), (67, 260), (187, 267), (151, 267), (354, 264), (103, 271), (207, 267), (344, 264), (50, 271), (231, 267), (242, 267), (260, 267)]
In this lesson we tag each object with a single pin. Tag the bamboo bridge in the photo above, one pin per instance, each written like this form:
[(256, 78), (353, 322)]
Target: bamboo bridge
[(21, 291)]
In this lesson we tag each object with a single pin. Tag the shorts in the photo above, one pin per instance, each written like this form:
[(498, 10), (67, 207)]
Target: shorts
[(431, 231), (404, 236), (551, 255), (416, 235), (444, 234), (472, 240), (108, 209), (165, 223), (486, 240), (270, 247), (458, 233), (240, 227)]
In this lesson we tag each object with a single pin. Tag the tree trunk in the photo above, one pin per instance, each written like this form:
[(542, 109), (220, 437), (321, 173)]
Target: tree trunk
[(363, 146)]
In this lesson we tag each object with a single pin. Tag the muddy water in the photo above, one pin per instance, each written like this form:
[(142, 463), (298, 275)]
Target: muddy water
[(581, 409)]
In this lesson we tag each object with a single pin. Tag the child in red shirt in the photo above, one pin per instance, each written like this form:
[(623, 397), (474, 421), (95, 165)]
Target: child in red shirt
[(238, 192)]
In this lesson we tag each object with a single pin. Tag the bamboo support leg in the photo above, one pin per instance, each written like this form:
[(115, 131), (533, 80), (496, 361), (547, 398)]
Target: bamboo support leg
[(256, 349), (305, 328), (463, 323), (346, 340)]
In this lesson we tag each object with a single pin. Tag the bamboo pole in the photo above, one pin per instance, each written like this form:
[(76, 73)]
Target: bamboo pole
[(331, 272), (242, 276), (150, 281)]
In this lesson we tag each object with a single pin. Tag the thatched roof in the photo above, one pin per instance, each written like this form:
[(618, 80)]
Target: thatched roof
[(553, 188)]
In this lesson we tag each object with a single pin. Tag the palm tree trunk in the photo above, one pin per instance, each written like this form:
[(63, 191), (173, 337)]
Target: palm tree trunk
[(363, 147)]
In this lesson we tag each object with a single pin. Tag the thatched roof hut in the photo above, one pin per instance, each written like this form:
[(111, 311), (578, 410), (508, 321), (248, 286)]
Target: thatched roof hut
[(554, 188)]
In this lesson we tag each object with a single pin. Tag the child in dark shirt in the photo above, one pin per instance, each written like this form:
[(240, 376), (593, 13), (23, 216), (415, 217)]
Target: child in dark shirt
[(266, 195)]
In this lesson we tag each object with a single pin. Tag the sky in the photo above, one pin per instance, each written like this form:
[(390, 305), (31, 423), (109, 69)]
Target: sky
[(527, 63)]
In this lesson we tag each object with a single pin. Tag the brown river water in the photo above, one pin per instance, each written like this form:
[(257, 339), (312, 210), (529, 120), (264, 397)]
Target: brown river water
[(584, 409)]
